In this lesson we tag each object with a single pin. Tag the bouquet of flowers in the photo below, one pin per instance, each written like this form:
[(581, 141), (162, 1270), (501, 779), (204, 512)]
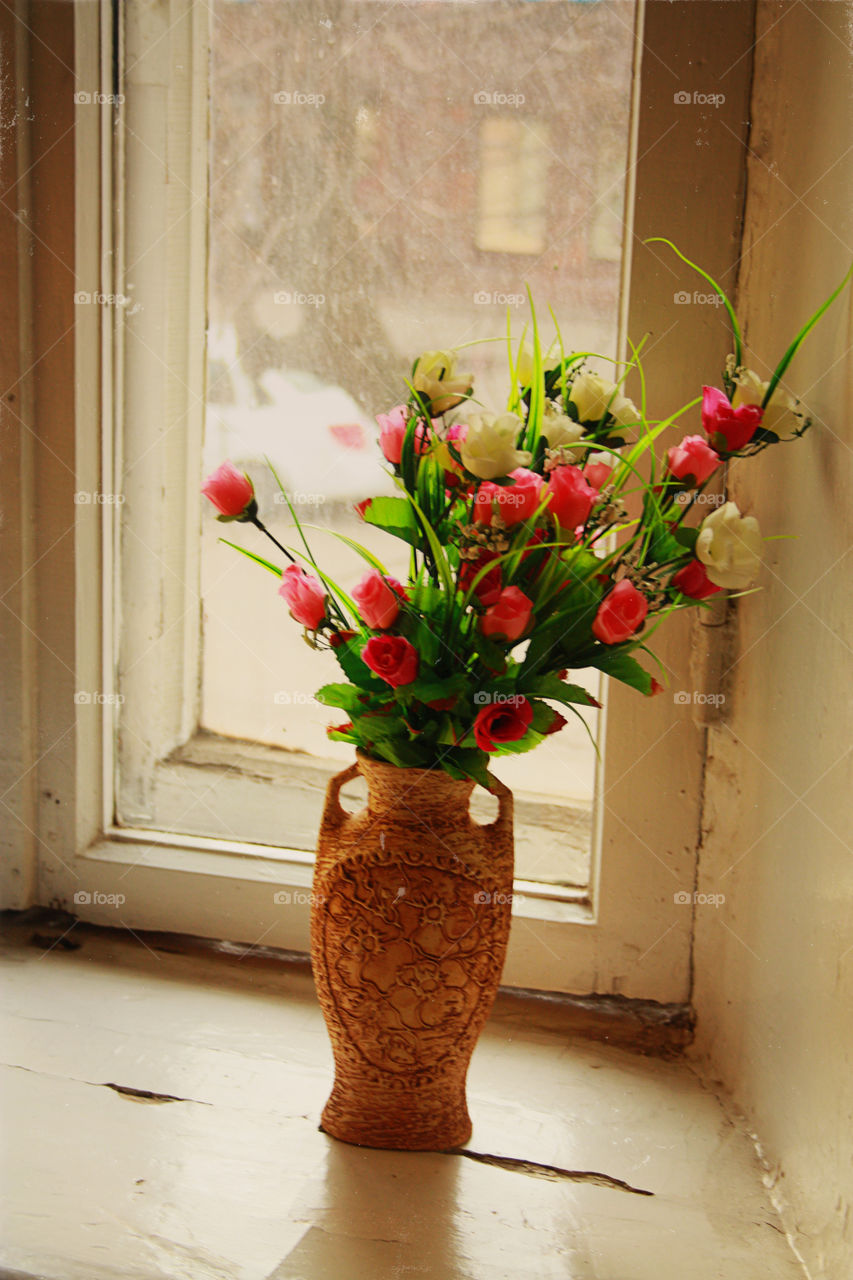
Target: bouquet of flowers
[(544, 539)]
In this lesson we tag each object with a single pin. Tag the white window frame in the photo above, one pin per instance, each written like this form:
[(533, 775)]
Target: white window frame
[(626, 936)]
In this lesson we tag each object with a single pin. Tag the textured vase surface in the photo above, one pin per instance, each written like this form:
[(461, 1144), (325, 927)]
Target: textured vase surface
[(409, 925)]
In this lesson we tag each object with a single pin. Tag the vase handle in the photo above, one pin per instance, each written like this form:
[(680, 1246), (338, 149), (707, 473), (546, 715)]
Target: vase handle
[(333, 812), (501, 828)]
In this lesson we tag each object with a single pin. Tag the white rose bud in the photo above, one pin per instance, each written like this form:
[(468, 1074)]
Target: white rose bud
[(780, 415), (525, 365), (558, 428), (436, 379), (488, 450), (593, 396), (729, 546)]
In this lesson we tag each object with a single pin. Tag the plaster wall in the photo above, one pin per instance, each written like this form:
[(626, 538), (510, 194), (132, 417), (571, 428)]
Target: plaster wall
[(774, 964)]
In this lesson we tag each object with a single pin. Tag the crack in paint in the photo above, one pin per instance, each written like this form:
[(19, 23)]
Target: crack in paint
[(146, 1095), (551, 1172)]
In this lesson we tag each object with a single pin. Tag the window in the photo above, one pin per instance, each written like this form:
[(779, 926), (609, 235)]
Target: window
[(287, 273)]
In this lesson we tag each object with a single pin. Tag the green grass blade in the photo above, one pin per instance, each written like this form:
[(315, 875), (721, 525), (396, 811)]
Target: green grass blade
[(712, 282), (265, 564), (806, 329)]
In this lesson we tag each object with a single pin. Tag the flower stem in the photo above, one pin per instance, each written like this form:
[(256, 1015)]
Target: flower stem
[(258, 525)]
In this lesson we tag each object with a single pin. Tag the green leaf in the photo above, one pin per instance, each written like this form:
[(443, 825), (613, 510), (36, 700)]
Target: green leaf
[(428, 689), (467, 762), (401, 753), (686, 536), (345, 696), (551, 686), (354, 668), (616, 661), (395, 516)]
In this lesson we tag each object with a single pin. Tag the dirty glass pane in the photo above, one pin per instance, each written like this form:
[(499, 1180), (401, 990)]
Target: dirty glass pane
[(386, 179)]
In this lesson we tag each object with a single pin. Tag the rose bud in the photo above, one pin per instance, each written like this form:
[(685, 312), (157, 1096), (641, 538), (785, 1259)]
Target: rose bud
[(727, 428), (231, 491), (513, 503), (570, 497), (337, 638), (693, 581), (729, 546), (599, 469), (305, 595), (502, 722), (693, 460), (392, 433), (378, 599), (622, 612), (488, 589), (392, 658), (509, 616)]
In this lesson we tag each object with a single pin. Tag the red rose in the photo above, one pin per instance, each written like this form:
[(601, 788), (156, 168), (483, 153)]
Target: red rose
[(620, 614), (570, 497), (502, 722), (693, 581), (513, 502), (305, 595), (509, 616), (488, 589), (230, 490), (727, 428), (392, 658), (378, 599), (693, 460)]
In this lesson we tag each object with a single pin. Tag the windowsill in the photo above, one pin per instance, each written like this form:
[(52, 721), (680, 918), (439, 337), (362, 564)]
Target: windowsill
[(203, 783), (289, 869), (204, 1076)]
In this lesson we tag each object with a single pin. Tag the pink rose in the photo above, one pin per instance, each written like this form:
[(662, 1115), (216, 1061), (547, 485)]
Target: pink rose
[(620, 614), (305, 595), (728, 429), (505, 721), (570, 497), (693, 460), (598, 474), (513, 503), (392, 433), (231, 491), (392, 658), (378, 599), (509, 616), (693, 581)]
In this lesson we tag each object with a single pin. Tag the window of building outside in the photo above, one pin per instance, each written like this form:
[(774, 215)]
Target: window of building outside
[(384, 181)]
